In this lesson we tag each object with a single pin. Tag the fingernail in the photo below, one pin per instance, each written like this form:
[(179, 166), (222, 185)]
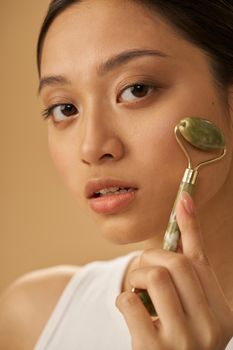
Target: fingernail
[(188, 203)]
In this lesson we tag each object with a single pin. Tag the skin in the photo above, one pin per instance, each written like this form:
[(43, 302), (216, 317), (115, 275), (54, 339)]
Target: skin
[(131, 138)]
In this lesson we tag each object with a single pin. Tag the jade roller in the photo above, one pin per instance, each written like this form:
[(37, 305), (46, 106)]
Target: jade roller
[(205, 136)]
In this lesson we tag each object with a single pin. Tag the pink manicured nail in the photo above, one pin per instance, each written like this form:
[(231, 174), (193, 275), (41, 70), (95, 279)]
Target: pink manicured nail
[(188, 203)]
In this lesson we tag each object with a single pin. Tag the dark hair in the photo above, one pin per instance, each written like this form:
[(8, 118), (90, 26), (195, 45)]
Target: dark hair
[(206, 23)]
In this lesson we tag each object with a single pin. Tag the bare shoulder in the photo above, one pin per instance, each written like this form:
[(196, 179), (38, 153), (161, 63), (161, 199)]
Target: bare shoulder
[(25, 306)]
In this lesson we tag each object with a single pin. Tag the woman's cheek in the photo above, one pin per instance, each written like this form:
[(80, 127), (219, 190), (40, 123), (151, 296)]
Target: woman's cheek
[(62, 157)]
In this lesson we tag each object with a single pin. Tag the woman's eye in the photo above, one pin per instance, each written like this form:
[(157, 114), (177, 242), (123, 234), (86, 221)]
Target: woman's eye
[(136, 92), (61, 112)]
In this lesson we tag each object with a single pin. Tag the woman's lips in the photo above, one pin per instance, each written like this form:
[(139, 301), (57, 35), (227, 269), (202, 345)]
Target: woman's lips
[(110, 204)]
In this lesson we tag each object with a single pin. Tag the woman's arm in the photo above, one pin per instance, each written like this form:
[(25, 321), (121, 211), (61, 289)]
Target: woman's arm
[(27, 304)]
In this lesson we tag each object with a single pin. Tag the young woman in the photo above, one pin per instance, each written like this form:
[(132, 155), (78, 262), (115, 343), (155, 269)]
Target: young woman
[(116, 76)]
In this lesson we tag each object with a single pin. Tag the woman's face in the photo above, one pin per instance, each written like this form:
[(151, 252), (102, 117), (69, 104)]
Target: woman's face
[(122, 115)]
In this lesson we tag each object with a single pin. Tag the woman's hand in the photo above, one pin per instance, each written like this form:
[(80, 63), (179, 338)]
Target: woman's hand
[(193, 313)]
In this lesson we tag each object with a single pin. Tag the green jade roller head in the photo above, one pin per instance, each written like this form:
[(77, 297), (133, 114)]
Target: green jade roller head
[(201, 133), (205, 136)]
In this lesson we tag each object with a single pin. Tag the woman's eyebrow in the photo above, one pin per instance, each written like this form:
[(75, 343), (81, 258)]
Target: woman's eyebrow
[(52, 80), (110, 64), (126, 56)]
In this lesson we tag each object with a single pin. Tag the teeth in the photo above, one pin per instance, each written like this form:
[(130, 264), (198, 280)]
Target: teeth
[(113, 190), (107, 190)]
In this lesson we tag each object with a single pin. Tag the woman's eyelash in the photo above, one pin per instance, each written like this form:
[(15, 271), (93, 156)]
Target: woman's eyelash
[(47, 111), (139, 83)]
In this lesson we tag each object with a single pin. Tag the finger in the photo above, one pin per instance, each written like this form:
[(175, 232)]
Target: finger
[(157, 281), (183, 275), (192, 242), (136, 316)]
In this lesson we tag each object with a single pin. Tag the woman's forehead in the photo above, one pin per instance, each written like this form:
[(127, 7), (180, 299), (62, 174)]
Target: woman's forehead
[(92, 31), (104, 25)]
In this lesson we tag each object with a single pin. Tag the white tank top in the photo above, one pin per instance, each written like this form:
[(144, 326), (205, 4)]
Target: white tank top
[(85, 317)]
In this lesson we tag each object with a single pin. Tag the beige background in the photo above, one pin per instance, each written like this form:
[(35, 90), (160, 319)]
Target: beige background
[(40, 222)]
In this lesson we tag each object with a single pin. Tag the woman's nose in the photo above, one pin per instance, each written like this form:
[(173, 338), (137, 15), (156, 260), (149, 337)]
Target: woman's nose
[(101, 142)]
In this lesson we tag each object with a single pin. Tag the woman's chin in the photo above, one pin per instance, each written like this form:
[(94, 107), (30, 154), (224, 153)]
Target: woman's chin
[(132, 224)]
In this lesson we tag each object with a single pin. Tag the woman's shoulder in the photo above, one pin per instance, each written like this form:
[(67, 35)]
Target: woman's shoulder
[(26, 305)]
